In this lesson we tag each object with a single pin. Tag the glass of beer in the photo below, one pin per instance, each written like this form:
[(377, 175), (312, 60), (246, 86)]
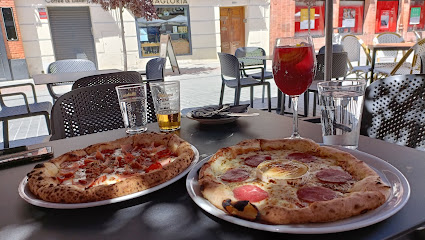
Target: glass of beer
[(166, 98)]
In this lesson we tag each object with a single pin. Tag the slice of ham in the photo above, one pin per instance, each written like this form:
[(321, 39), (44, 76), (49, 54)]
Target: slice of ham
[(235, 175), (250, 193), (255, 160), (333, 176), (127, 148), (302, 157), (315, 194), (83, 183)]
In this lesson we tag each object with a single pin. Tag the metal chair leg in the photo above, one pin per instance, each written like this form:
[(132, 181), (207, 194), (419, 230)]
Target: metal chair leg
[(46, 116), (251, 94), (221, 95), (5, 134), (237, 96), (306, 102), (262, 99), (269, 97), (315, 103)]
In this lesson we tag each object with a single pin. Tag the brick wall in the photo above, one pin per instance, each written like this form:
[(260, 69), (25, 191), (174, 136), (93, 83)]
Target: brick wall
[(14, 49)]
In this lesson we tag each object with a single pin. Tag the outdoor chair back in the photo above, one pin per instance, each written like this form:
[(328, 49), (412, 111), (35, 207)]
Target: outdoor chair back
[(155, 69), (120, 78), (231, 77), (243, 52), (336, 48), (339, 70), (404, 67), (71, 65), (86, 110), (339, 65), (21, 111), (117, 77), (353, 46), (394, 110), (388, 37), (67, 66)]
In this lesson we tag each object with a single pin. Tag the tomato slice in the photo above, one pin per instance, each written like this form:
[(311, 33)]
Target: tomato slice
[(154, 166)]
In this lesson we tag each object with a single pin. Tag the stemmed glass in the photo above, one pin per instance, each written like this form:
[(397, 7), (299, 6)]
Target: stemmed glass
[(294, 67)]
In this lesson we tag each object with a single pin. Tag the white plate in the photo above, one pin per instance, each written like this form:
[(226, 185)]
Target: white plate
[(389, 174), (212, 121), (27, 195)]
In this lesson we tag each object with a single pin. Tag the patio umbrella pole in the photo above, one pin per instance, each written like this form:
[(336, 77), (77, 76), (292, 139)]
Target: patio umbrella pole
[(328, 39)]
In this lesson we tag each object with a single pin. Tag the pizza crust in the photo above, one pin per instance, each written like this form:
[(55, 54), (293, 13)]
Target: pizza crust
[(367, 193), (42, 181)]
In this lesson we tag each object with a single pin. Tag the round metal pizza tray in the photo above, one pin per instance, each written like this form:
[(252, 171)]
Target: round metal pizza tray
[(26, 194), (389, 174)]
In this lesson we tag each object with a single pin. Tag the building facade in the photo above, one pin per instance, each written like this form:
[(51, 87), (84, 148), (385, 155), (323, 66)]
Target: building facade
[(63, 29), (38, 32), (364, 18)]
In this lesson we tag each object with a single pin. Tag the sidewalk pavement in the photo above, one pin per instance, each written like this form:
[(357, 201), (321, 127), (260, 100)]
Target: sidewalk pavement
[(200, 85)]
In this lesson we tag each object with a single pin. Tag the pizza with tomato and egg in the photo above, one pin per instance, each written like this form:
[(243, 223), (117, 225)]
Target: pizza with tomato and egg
[(111, 169), (290, 181)]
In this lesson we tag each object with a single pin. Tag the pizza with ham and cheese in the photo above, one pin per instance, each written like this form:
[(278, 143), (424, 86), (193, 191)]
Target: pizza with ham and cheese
[(111, 169), (290, 181)]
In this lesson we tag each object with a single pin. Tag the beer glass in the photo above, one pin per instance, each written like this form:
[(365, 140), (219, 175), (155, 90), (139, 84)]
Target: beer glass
[(166, 98)]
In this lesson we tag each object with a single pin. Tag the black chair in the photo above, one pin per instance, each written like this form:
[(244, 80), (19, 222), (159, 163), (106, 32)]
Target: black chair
[(120, 78), (243, 52), (155, 68), (339, 70), (117, 77), (67, 65), (394, 110), (86, 110), (231, 77), (28, 110)]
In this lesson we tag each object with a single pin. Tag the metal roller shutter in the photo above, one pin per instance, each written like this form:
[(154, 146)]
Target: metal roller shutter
[(71, 33)]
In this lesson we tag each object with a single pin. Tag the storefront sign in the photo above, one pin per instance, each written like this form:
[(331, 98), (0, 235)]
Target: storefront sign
[(304, 18), (170, 2), (385, 19), (42, 13), (349, 18), (415, 15)]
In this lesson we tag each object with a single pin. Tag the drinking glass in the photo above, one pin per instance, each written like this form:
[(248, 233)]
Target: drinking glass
[(132, 99), (294, 67), (166, 99)]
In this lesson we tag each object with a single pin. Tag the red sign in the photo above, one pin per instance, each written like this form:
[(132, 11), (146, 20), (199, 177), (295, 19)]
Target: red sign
[(42, 13)]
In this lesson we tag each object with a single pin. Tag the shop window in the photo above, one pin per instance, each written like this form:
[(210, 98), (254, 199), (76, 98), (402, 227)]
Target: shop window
[(417, 15), (172, 20), (9, 24), (350, 19), (317, 19), (386, 16)]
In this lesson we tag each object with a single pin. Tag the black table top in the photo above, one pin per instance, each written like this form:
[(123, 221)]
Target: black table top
[(170, 213)]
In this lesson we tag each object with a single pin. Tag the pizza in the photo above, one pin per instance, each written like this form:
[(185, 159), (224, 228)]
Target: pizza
[(290, 181), (111, 169)]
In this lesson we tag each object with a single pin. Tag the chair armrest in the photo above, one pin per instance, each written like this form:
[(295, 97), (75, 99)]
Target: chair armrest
[(21, 85), (18, 93), (250, 68)]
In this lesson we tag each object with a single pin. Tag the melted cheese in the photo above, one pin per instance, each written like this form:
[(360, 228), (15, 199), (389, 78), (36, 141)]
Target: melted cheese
[(280, 169)]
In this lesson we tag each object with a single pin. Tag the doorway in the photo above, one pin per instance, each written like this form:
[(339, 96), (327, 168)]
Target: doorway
[(232, 29), (71, 31)]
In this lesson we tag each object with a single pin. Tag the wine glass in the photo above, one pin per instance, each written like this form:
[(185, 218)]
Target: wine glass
[(294, 67)]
